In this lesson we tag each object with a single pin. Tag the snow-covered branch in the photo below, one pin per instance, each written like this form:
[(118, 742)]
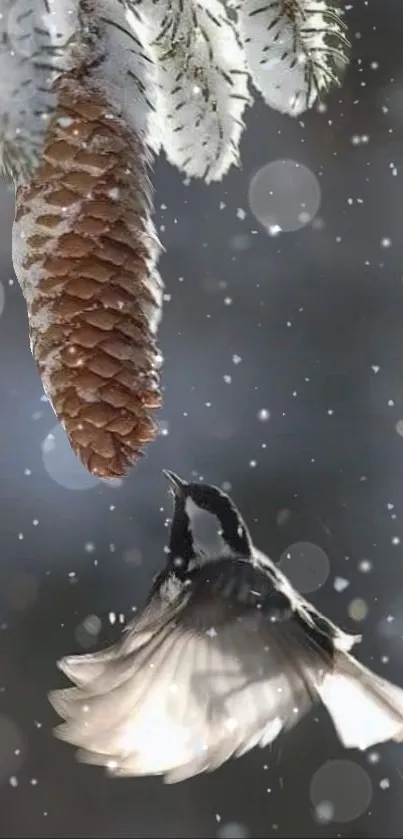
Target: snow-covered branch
[(202, 83), (34, 40), (295, 49)]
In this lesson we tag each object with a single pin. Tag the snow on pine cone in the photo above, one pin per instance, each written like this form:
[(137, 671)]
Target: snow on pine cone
[(84, 251)]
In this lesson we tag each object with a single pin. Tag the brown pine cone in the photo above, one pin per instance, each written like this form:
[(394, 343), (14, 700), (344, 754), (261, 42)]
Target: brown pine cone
[(84, 251)]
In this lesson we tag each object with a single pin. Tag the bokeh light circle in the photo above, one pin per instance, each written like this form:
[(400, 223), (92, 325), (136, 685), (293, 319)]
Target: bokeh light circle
[(399, 427), (306, 565), (284, 196), (11, 748), (341, 788), (21, 590), (264, 415), (133, 557), (358, 609), (61, 463), (233, 830), (282, 516), (86, 634), (92, 624), (324, 812)]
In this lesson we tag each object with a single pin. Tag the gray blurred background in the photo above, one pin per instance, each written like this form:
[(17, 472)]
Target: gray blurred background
[(283, 382)]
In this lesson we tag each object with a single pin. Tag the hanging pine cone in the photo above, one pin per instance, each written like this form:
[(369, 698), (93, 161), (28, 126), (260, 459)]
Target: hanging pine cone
[(86, 88), (84, 252)]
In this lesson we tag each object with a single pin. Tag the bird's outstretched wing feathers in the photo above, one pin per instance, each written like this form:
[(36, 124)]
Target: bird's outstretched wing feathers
[(222, 673)]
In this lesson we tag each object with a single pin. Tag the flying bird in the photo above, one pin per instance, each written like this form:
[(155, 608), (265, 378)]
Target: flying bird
[(224, 656)]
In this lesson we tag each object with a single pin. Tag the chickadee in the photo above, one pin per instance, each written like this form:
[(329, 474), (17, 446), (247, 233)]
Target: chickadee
[(224, 657)]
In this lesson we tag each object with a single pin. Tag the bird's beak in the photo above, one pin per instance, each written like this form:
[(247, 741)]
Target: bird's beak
[(177, 485)]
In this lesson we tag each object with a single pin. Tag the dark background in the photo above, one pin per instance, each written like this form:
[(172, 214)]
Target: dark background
[(316, 317)]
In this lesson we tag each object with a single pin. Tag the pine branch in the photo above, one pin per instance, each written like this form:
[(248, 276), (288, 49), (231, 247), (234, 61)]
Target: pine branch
[(296, 50), (33, 50), (202, 83)]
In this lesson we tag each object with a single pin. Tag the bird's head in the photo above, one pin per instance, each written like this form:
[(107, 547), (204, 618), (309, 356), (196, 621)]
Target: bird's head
[(206, 525)]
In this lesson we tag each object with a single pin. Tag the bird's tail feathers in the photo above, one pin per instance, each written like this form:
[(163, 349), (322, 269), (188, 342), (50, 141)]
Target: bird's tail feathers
[(365, 708)]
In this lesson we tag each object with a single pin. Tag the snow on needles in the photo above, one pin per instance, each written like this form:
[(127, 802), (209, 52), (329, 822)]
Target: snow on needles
[(33, 39), (202, 83), (295, 50), (178, 69)]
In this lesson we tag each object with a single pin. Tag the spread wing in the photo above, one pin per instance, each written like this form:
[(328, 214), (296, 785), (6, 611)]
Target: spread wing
[(226, 668)]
